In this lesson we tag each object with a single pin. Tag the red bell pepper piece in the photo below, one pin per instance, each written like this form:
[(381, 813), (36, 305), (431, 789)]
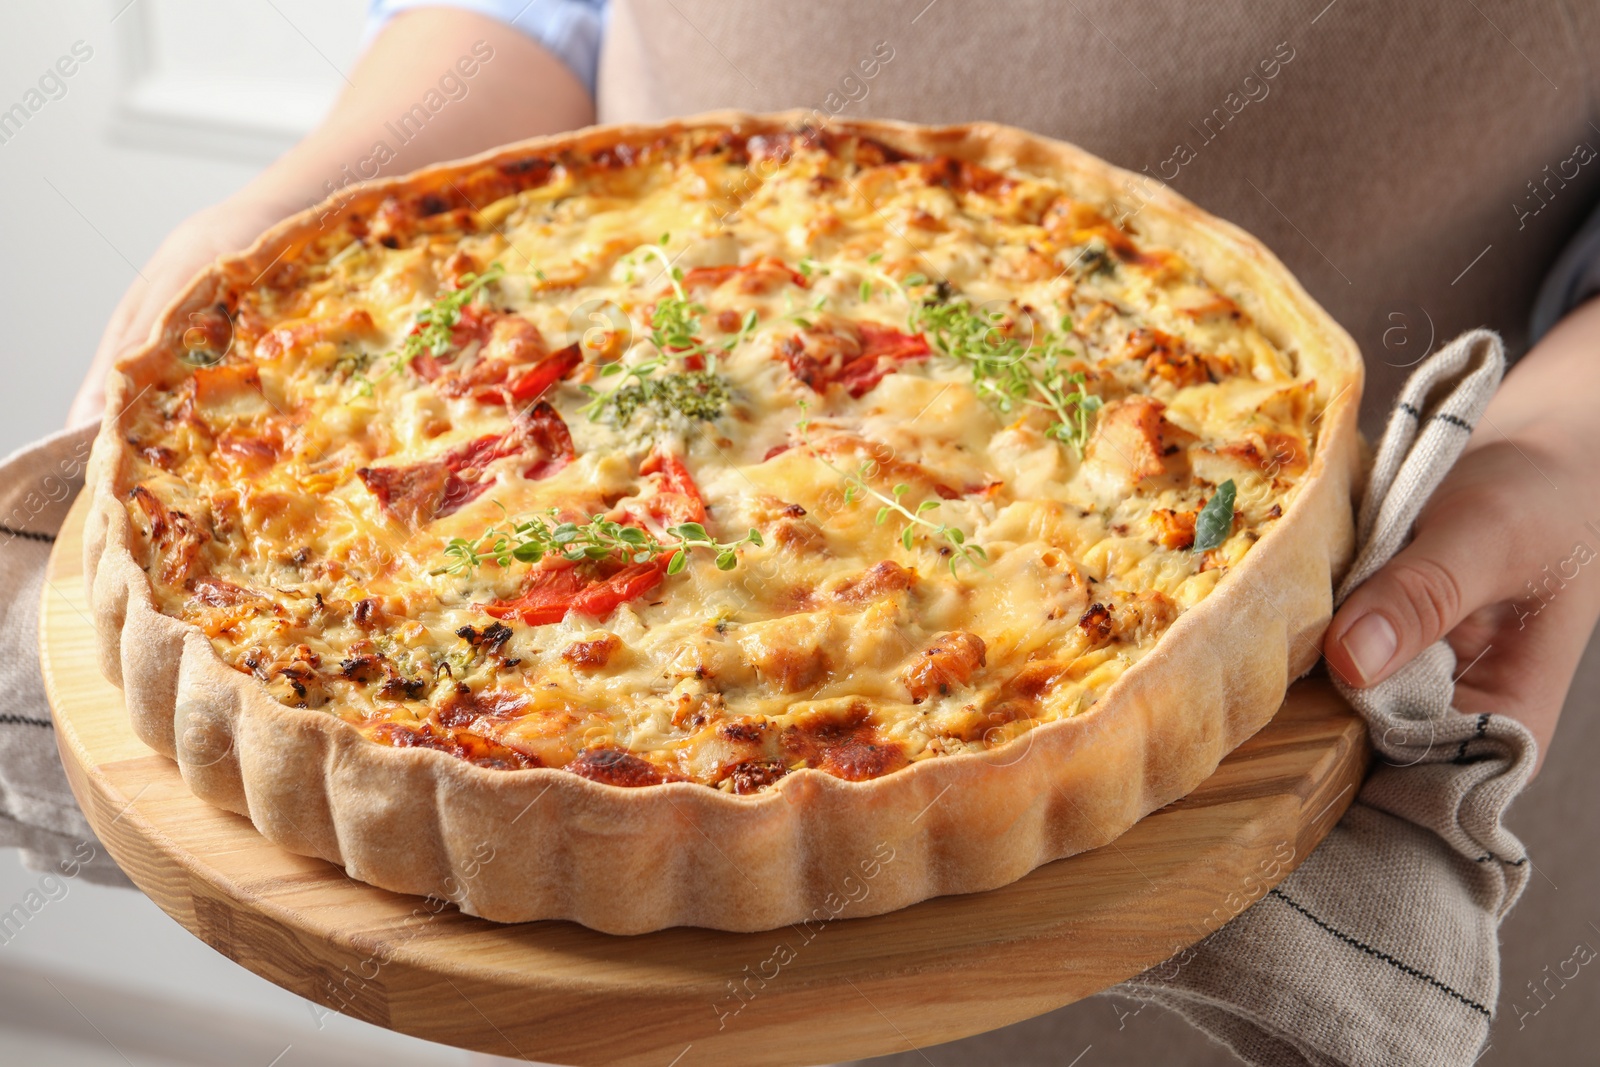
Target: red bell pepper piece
[(541, 376), (553, 592), (602, 598), (883, 350), (434, 488), (677, 498), (546, 598), (889, 343), (759, 276)]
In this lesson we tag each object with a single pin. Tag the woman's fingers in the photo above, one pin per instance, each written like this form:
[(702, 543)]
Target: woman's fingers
[(1417, 598), (190, 247), (1458, 562)]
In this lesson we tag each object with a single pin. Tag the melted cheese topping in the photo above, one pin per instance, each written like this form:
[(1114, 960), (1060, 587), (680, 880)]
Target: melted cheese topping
[(840, 642)]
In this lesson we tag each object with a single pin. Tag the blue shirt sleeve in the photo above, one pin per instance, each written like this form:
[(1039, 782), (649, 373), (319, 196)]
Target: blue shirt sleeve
[(570, 29), (1574, 278)]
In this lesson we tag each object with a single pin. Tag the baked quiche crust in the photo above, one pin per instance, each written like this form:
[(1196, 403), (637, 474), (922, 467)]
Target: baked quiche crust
[(769, 833)]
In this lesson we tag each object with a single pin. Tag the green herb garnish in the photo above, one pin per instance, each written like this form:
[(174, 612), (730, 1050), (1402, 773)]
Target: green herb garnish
[(676, 319), (698, 395), (1215, 521), (892, 504), (439, 319), (531, 540), (674, 331), (1007, 372)]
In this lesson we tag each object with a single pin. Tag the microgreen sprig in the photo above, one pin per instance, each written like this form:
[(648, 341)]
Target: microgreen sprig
[(892, 504), (600, 538), (1006, 371), (439, 319)]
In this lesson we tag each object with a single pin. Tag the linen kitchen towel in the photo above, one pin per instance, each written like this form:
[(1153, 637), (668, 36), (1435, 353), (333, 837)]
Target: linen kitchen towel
[(37, 812)]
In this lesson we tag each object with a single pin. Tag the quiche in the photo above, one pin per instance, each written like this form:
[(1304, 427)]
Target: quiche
[(684, 516)]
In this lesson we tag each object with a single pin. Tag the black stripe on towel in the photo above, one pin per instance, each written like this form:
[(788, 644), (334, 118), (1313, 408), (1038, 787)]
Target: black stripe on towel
[(1384, 956), (31, 535)]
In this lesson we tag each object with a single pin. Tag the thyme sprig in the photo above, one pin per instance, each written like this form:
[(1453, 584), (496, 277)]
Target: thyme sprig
[(600, 538), (1008, 372), (437, 324), (675, 322), (892, 504)]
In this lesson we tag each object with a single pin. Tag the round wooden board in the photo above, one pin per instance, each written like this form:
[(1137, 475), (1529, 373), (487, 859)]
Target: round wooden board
[(555, 991)]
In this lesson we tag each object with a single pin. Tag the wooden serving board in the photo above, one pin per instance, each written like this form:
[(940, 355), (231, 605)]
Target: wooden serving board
[(555, 991)]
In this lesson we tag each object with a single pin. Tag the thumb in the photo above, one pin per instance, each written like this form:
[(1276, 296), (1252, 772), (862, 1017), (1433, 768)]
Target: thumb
[(1420, 595)]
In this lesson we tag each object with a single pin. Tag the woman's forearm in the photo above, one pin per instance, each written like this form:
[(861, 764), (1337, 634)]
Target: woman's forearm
[(436, 84), (1550, 399)]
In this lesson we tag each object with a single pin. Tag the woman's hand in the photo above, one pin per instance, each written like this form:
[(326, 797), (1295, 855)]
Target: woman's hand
[(1504, 563), (517, 90), (199, 239)]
